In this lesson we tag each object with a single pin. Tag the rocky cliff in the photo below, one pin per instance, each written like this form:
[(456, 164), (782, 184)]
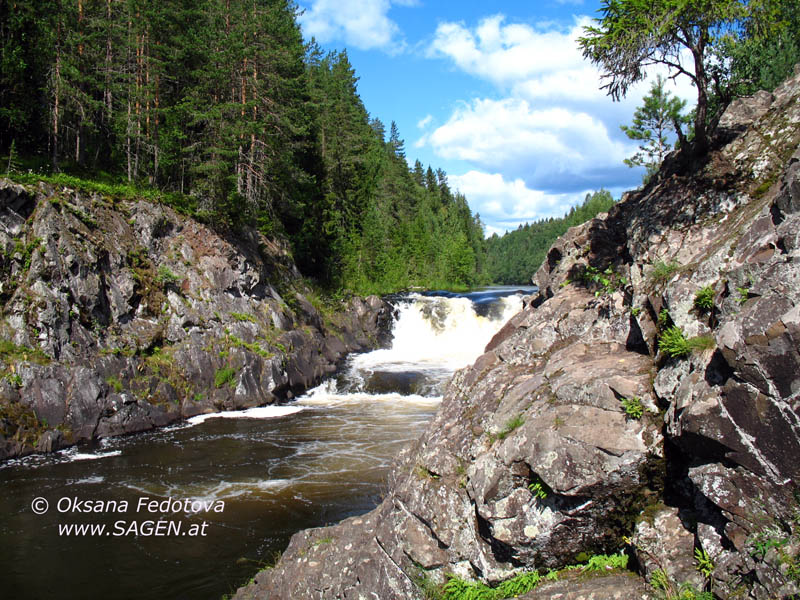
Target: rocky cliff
[(122, 315), (645, 400)]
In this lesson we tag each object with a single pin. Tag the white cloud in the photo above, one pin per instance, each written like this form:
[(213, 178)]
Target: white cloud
[(424, 122), (508, 53), (505, 204), (546, 147), (534, 63), (552, 127), (363, 24)]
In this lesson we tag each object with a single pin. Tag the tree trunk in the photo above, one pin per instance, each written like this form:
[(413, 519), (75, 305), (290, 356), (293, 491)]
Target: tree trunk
[(56, 98), (701, 81), (107, 94)]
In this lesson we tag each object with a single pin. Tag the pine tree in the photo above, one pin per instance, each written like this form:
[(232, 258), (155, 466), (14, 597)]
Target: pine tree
[(653, 122), (396, 145)]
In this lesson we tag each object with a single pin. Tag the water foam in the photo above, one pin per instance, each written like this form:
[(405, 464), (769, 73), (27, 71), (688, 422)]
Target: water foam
[(259, 412), (438, 332), (211, 491), (326, 394), (75, 455)]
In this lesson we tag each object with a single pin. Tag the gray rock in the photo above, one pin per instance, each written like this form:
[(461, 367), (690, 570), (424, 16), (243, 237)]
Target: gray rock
[(531, 459), (130, 312)]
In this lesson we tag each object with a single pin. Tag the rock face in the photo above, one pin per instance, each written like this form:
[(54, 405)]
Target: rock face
[(121, 316), (581, 429)]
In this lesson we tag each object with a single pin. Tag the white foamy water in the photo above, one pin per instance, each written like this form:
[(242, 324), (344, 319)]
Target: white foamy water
[(438, 332), (326, 394), (210, 491), (260, 412), (87, 480), (73, 454)]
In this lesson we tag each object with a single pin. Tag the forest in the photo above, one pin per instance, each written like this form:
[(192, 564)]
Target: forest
[(222, 109), (513, 258), (220, 103)]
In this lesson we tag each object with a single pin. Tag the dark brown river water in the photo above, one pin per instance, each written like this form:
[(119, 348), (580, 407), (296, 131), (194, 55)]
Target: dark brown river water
[(228, 493)]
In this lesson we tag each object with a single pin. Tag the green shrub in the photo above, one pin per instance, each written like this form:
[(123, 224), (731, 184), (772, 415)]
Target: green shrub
[(607, 281), (744, 294), (633, 407), (521, 584), (538, 488), (459, 589), (166, 277), (114, 383), (705, 566), (14, 379), (604, 562), (704, 299), (224, 376), (673, 343), (243, 317)]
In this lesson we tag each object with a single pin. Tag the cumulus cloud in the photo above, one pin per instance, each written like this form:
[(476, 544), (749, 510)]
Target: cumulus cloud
[(364, 24), (549, 148), (505, 204), (508, 53), (552, 127)]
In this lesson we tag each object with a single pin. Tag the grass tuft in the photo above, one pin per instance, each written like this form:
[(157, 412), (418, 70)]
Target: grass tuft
[(225, 376), (663, 271), (633, 407)]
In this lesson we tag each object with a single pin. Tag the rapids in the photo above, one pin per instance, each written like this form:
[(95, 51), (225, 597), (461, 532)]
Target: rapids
[(277, 469)]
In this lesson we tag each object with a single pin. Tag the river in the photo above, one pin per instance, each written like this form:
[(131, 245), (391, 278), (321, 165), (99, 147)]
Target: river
[(194, 510)]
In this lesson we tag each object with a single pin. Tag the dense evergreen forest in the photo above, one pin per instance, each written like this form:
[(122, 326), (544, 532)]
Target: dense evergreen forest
[(514, 257), (221, 102), (220, 107)]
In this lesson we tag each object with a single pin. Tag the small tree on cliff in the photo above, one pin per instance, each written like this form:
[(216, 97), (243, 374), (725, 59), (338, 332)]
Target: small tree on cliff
[(653, 122), (632, 35)]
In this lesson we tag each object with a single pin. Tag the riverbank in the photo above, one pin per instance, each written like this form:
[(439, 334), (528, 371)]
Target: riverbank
[(322, 457), (121, 315), (645, 400)]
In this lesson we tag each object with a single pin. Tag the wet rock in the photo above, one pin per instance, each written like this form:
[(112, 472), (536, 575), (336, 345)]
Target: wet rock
[(129, 316)]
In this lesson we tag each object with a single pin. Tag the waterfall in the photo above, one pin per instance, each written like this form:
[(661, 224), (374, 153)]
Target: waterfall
[(278, 468), (432, 337)]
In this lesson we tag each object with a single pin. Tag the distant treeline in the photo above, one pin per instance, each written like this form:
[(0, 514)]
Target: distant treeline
[(220, 101), (513, 258)]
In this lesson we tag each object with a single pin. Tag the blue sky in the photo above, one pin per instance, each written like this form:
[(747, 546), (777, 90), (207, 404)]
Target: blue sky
[(496, 94)]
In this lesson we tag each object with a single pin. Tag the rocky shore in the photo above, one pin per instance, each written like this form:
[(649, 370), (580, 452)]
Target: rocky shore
[(123, 315), (645, 401)]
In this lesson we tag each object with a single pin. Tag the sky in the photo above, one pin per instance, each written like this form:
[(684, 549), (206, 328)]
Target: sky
[(496, 94)]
